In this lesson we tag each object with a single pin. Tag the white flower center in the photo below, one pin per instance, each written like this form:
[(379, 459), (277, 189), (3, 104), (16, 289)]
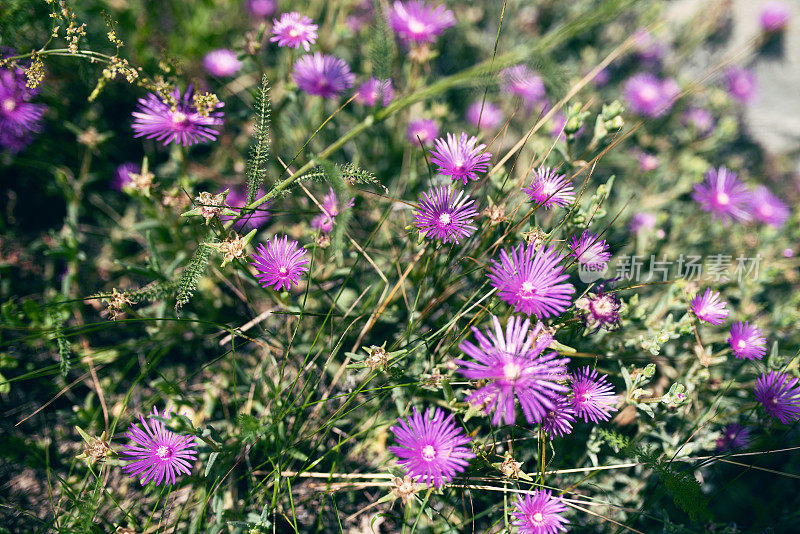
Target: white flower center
[(179, 117), (293, 32), (415, 26), (9, 104), (741, 343), (723, 198), (428, 452), (649, 94), (538, 517), (162, 451), (445, 219), (283, 270), (528, 290), (512, 371)]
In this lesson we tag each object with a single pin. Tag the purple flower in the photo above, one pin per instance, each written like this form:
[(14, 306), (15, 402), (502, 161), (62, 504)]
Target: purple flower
[(589, 250), (521, 81), (181, 123), (774, 16), (648, 162), (767, 208), (741, 83), (699, 120), (236, 200), (221, 63), (415, 22), (459, 157), (513, 365), (642, 221), (649, 96), (539, 513), (747, 342), (122, 176), (558, 421), (550, 188), (294, 30), (157, 454), (734, 436), (261, 8), (374, 90), (593, 397), (599, 310), (650, 51), (532, 281), (445, 214), (723, 195), (779, 395), (424, 130), (323, 75), (280, 264), (431, 446), (19, 118), (330, 209), (709, 307), (484, 115)]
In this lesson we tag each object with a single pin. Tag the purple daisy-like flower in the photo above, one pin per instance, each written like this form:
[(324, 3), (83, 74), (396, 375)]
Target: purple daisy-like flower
[(331, 207), (431, 447), (221, 63), (521, 81), (768, 208), (236, 200), (641, 221), (415, 22), (294, 30), (649, 96), (699, 120), (531, 280), (281, 263), (373, 91), (599, 310), (747, 342), (514, 366), (261, 8), (122, 175), (19, 119), (709, 307), (740, 83), (484, 115), (550, 188), (422, 130), (780, 396), (539, 513), (592, 397), (648, 162), (459, 157), (322, 75), (445, 214), (774, 16), (181, 123), (158, 454), (734, 436), (589, 250), (558, 421), (723, 195)]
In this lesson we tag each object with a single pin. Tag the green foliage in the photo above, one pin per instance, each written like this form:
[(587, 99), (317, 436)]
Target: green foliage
[(62, 343), (381, 45), (259, 148), (187, 283)]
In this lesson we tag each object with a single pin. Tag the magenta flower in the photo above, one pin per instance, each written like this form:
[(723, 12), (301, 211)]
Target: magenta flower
[(158, 454), (558, 421), (589, 250), (459, 157), (740, 83), (774, 16), (221, 63), (550, 189), (484, 115), (422, 130), (699, 120), (599, 310), (294, 30), (236, 200), (373, 91), (331, 207), (532, 281), (19, 118), (280, 264), (649, 96), (539, 513), (648, 162), (592, 397), (747, 342), (431, 447), (182, 124), (723, 195), (261, 8), (513, 364), (642, 221), (445, 214), (323, 75), (734, 436), (768, 208), (415, 22), (122, 176), (709, 307), (780, 396), (521, 81)]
